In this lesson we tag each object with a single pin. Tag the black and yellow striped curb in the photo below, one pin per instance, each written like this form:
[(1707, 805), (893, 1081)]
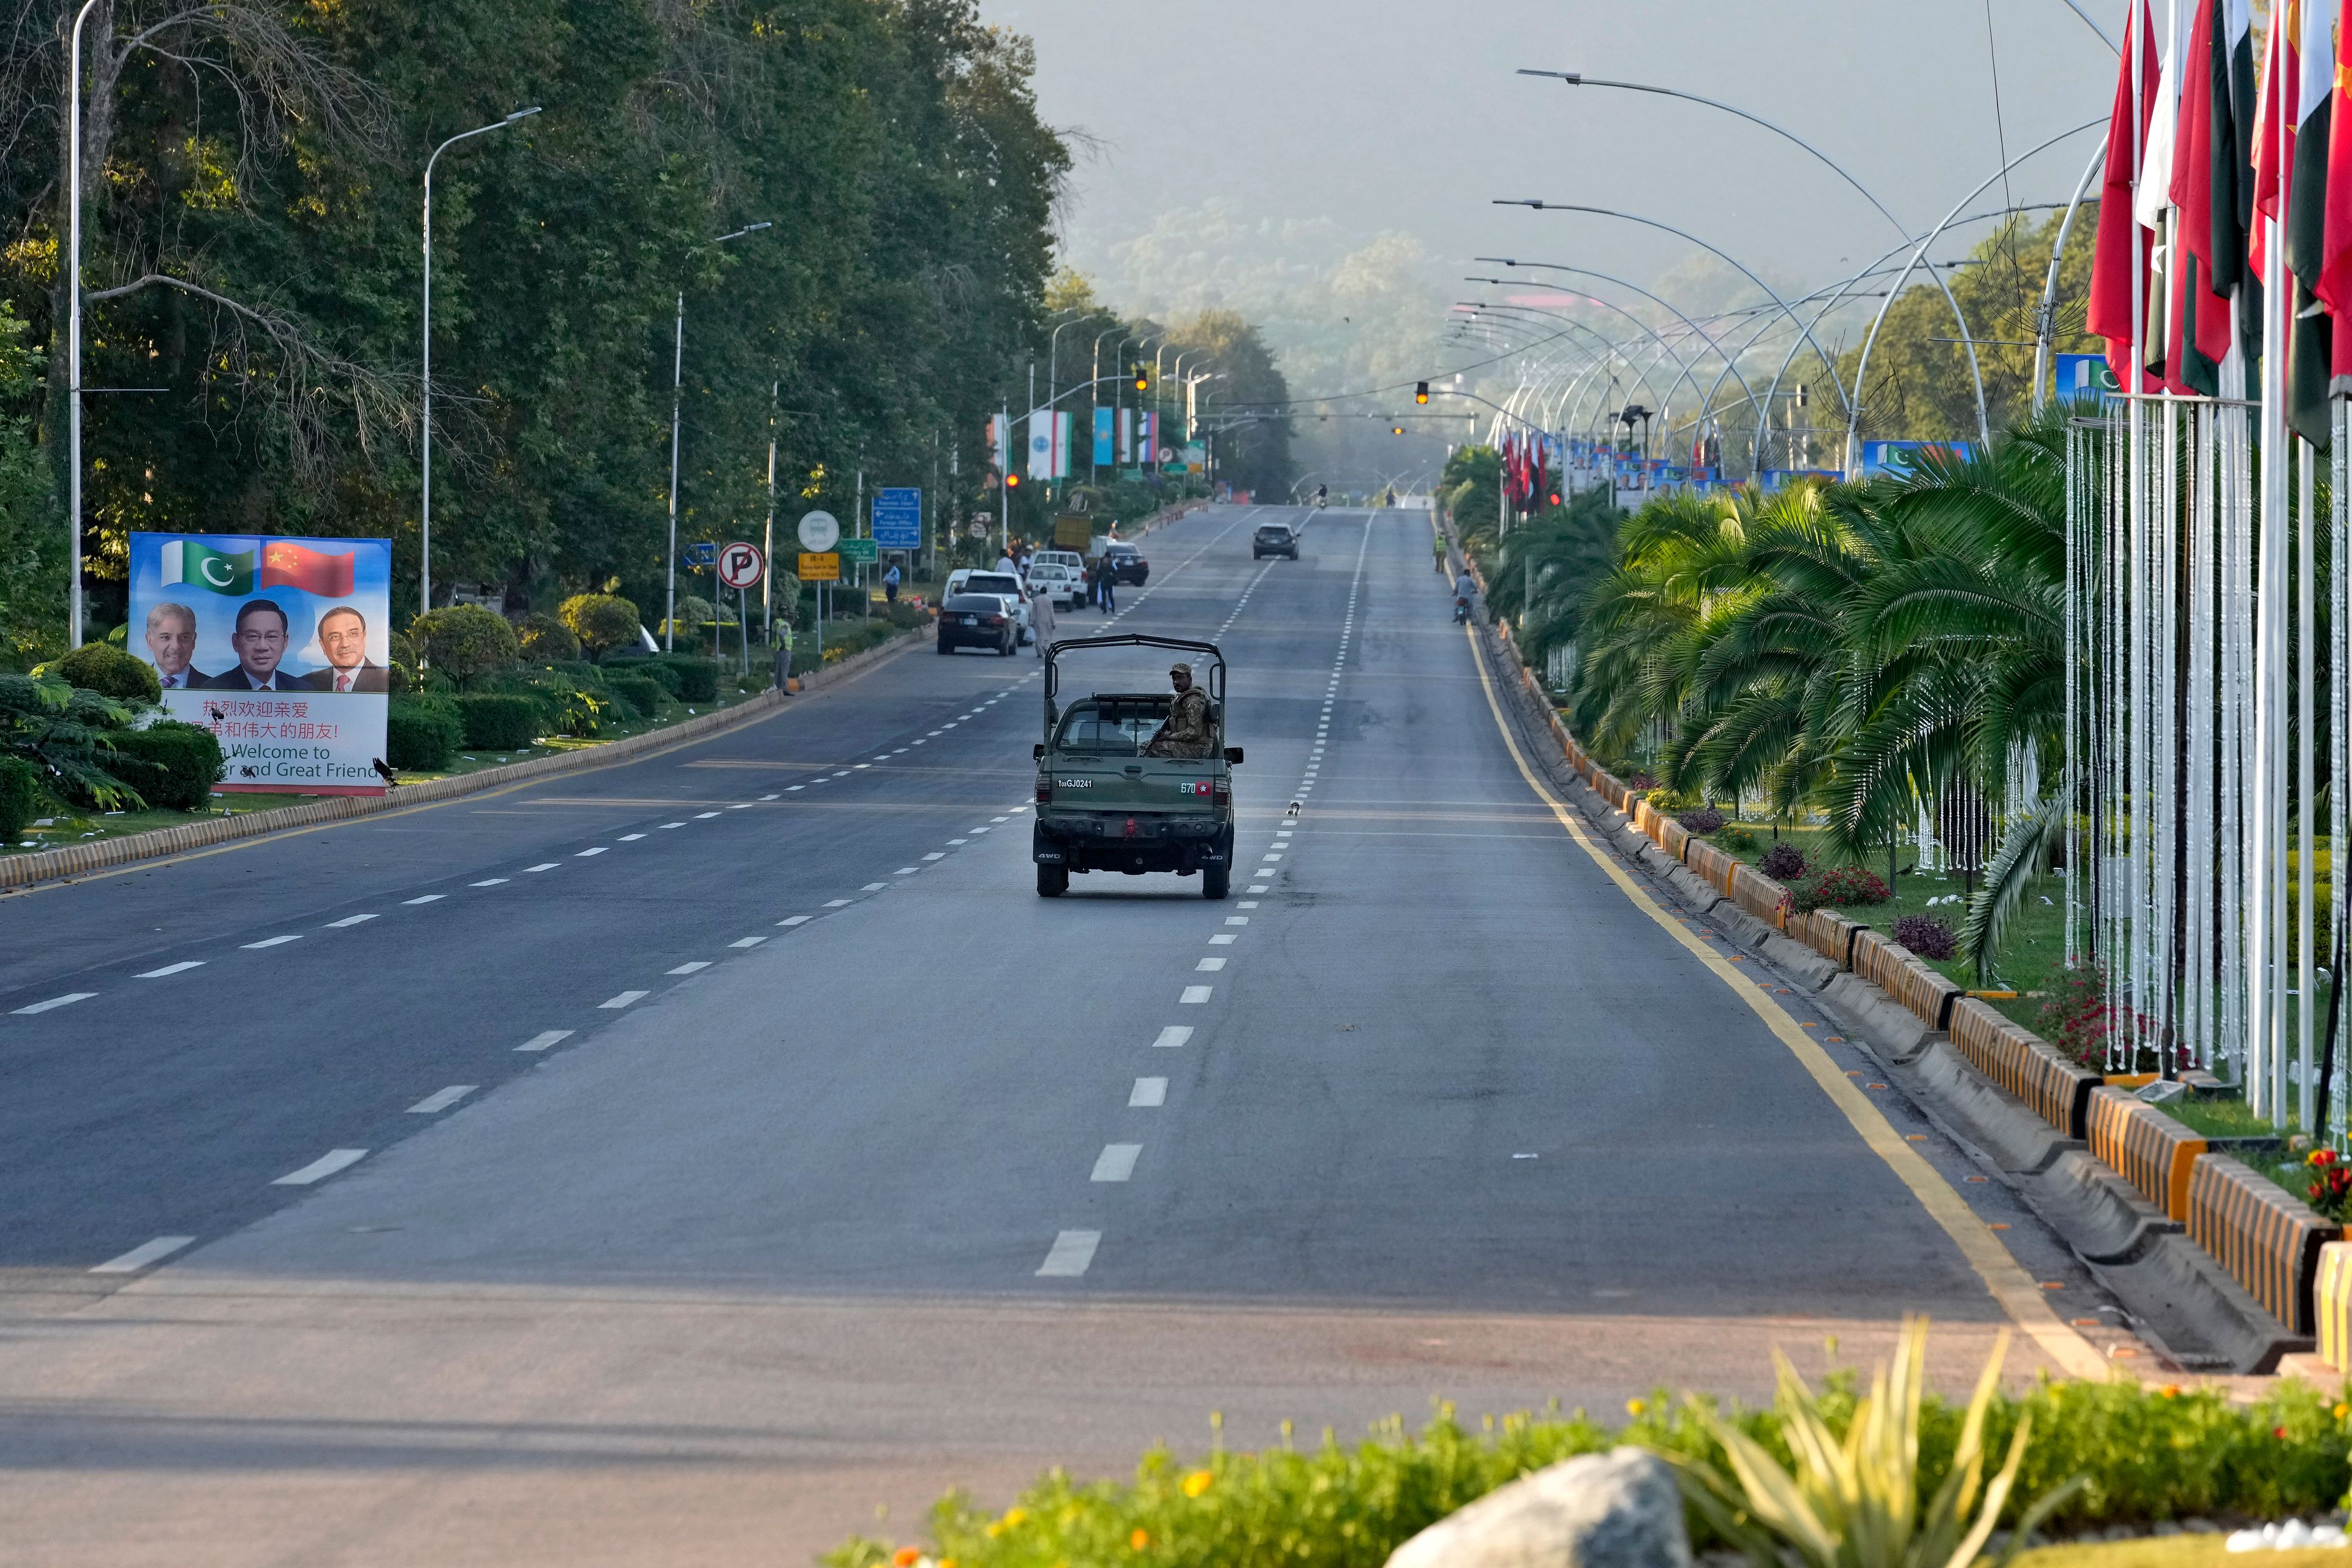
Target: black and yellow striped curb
[(101, 854), (2144, 1146), (2019, 1060), (2268, 1241)]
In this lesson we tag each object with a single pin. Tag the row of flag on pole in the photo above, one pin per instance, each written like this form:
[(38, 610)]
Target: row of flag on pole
[(2206, 161), (1528, 461)]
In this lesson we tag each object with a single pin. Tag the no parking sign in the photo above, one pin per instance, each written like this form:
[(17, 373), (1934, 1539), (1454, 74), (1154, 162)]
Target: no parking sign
[(741, 566)]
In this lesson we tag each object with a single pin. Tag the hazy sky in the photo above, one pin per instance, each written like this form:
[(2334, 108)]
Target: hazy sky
[(1382, 115)]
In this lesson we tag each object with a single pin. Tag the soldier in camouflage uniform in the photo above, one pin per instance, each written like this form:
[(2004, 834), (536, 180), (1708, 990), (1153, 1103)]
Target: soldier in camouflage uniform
[(1186, 732)]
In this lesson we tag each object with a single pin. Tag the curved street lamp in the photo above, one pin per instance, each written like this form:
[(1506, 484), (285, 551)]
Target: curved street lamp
[(676, 401)]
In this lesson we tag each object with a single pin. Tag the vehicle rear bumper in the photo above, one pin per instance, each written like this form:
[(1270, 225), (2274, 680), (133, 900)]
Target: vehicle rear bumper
[(1102, 841)]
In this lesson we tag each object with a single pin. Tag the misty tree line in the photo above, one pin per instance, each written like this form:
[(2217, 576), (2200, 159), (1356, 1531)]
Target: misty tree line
[(251, 196)]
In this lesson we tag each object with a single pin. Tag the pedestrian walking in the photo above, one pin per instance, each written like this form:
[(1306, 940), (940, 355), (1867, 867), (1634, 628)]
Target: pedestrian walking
[(890, 584), (1041, 619), (1110, 587), (1004, 564)]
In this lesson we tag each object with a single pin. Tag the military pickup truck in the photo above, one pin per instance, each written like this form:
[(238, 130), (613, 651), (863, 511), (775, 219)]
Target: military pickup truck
[(1105, 803)]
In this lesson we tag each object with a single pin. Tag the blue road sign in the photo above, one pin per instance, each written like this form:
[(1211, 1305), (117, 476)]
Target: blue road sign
[(703, 554), (898, 518)]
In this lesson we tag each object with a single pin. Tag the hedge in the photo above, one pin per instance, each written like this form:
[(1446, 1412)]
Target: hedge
[(111, 672), (422, 733), (173, 766), (644, 695), (20, 797), (497, 722), (653, 669), (2146, 1455), (698, 679)]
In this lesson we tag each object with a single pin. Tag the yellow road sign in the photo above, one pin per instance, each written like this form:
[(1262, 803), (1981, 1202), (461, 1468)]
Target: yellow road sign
[(824, 568)]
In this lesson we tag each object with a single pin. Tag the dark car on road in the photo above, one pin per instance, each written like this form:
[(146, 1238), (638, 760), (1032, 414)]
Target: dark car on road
[(977, 620), (1126, 565), (1274, 539)]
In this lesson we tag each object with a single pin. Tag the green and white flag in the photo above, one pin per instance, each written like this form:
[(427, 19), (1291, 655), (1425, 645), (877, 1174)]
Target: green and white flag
[(185, 561)]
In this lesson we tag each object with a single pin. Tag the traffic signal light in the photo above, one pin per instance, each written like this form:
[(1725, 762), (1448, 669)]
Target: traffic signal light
[(1555, 498), (1013, 481), (1396, 429), (1420, 392), (1142, 379)]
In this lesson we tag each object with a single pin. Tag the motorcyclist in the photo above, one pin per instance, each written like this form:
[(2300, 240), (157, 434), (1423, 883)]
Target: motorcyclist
[(1465, 591)]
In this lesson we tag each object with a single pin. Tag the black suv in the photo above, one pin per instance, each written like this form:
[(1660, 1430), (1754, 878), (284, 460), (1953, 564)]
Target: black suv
[(1126, 565), (977, 620), (1274, 539)]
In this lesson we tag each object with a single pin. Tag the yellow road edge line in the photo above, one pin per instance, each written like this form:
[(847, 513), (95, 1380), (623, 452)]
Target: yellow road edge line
[(2004, 1278)]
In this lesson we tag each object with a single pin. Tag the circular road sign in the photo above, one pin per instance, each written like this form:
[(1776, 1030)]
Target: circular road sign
[(741, 566), (978, 529), (1167, 454), (819, 532)]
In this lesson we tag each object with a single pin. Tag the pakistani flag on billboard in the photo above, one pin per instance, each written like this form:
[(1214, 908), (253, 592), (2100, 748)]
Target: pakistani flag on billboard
[(188, 564)]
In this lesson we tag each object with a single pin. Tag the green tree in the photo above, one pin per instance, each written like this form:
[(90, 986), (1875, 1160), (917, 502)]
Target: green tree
[(465, 642), (600, 621), (32, 533)]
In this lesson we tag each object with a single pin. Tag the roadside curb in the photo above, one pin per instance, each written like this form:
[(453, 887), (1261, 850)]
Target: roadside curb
[(72, 860), (2245, 1300)]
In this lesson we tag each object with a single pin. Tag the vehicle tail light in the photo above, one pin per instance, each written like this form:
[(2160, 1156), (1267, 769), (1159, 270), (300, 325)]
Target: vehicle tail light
[(1045, 790), (1222, 796), (993, 621)]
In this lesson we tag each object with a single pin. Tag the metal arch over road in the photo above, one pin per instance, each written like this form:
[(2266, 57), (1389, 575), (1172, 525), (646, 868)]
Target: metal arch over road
[(728, 1143)]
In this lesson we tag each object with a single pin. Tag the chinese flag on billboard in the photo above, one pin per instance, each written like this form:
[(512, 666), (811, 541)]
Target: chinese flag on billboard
[(289, 566)]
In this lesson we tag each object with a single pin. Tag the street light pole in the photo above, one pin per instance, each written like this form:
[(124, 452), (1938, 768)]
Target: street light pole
[(425, 484), (73, 334), (676, 408)]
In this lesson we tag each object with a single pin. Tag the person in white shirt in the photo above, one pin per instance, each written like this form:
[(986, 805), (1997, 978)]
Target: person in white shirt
[(1004, 565), (172, 645), (1041, 619)]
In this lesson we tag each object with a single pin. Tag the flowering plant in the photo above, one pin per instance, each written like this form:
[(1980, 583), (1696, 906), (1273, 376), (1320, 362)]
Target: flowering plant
[(1784, 862), (2331, 1183), (1842, 886)]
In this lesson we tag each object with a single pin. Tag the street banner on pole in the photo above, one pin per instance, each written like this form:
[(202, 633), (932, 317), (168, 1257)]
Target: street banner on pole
[(1041, 445), (1062, 445), (1125, 436), (898, 518), (281, 648), (1000, 438), (1103, 452)]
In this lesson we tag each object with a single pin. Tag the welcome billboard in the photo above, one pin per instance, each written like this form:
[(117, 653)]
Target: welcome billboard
[(281, 648)]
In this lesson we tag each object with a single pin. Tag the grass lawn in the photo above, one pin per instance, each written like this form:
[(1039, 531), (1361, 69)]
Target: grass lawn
[(2174, 1552)]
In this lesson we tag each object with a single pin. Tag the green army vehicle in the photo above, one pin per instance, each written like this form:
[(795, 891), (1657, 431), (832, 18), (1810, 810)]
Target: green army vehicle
[(1109, 800)]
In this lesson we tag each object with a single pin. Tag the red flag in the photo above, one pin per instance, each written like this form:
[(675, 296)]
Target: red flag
[(2282, 69), (2333, 286), (2193, 192), (2122, 245), (284, 565)]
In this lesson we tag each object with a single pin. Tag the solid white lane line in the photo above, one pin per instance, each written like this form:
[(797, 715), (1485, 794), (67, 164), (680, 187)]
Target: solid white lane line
[(704, 815), (180, 968), (836, 903), (320, 1168), (625, 998), (543, 1039), (442, 1100), (427, 899), (145, 1253), (1148, 1092), (542, 865), (1195, 995), (270, 941), (583, 854), (349, 921), (67, 1000), (796, 920), (1209, 966), (683, 969), (937, 855), (1116, 1162), (1225, 939), (1071, 1252), (493, 882), (748, 941), (1174, 1035)]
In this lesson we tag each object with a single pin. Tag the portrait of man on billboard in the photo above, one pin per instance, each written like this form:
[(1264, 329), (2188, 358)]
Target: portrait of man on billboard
[(260, 642), (343, 640), (172, 647)]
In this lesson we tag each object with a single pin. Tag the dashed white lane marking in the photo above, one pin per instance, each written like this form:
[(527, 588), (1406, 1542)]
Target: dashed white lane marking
[(427, 899), (543, 1039), (1148, 1092), (1269, 857), (836, 903), (959, 841), (796, 920), (1260, 888), (625, 998), (1239, 919), (583, 854), (542, 865), (1071, 1252), (673, 825), (906, 870), (349, 921), (270, 941), (684, 969), (442, 1098), (742, 806), (67, 1000), (704, 815), (856, 767), (877, 887), (992, 819), (1174, 1035), (493, 882), (1195, 995), (180, 968), (1247, 904), (748, 941), (767, 797), (1209, 966), (145, 1253), (789, 788), (631, 838), (320, 1168), (922, 742), (935, 734), (1116, 1162), (937, 855), (1226, 939)]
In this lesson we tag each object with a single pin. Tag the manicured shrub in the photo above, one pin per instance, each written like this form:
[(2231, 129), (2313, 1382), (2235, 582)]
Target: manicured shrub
[(20, 797), (652, 669), (1842, 887), (465, 642), (422, 732), (501, 721), (698, 679), (1737, 836), (600, 621), (1926, 936), (111, 672), (641, 696), (544, 639), (1784, 862), (1705, 819), (581, 713), (173, 766)]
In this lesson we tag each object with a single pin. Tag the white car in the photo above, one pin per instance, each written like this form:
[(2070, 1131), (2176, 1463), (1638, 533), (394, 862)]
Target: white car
[(1006, 587), (1069, 558), (1052, 578)]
